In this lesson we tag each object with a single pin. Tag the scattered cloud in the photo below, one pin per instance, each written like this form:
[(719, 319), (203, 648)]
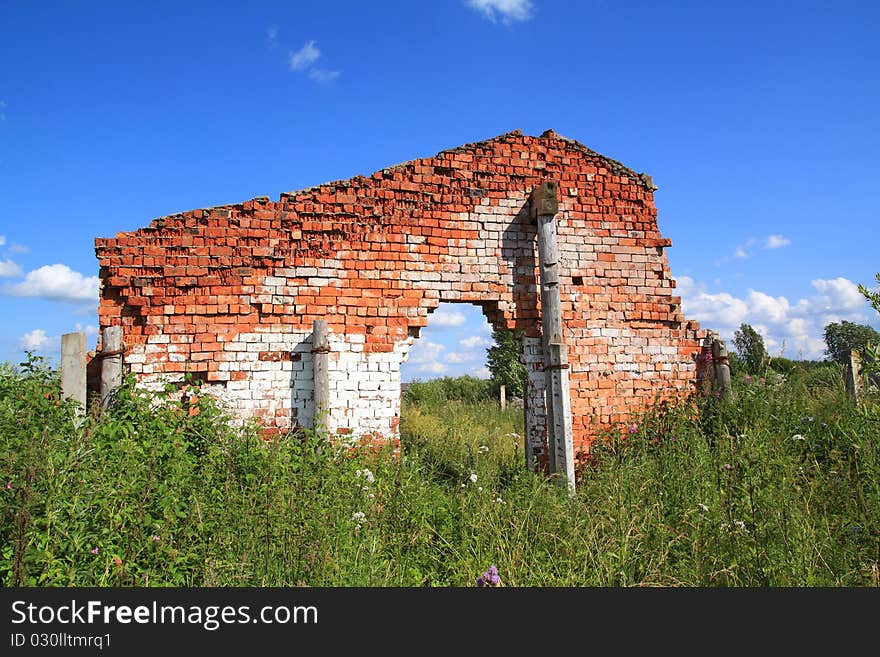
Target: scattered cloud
[(304, 57), (18, 248), (2, 240), (323, 75), (508, 11), (9, 269), (482, 372), (475, 341), (435, 367), (37, 340), (272, 37), (797, 328), (776, 241), (444, 318), (457, 357), (743, 251), (424, 351), (302, 60), (56, 283)]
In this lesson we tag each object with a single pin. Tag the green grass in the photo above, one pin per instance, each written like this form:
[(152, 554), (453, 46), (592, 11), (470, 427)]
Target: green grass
[(778, 487)]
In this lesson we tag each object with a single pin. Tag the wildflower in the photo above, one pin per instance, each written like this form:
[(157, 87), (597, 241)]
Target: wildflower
[(9, 485), (735, 527), (763, 380), (797, 436), (703, 507), (727, 466), (483, 449), (473, 477), (358, 516), (154, 537), (808, 418), (368, 475), (94, 550), (633, 428), (480, 489), (498, 500), (746, 378), (489, 577)]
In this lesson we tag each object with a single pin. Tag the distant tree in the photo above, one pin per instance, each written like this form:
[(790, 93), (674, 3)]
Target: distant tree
[(750, 348), (504, 363), (841, 337)]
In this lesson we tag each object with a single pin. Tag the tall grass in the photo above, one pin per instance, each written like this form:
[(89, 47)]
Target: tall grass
[(778, 487)]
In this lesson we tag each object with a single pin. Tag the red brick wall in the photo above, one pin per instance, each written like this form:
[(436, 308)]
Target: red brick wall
[(231, 292)]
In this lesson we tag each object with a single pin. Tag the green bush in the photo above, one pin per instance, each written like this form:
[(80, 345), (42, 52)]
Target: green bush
[(777, 486)]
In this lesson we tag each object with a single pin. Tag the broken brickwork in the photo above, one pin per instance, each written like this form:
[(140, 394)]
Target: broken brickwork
[(230, 293)]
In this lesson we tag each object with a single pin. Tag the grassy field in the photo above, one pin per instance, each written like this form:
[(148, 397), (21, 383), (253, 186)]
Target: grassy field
[(779, 486)]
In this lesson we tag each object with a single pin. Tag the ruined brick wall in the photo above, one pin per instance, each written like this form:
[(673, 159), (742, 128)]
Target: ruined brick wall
[(231, 292)]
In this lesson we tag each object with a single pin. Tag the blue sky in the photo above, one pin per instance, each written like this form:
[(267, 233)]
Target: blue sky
[(757, 121)]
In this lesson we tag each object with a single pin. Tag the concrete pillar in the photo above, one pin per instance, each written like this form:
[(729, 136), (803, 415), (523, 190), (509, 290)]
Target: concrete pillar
[(320, 360), (111, 362), (545, 205), (73, 368)]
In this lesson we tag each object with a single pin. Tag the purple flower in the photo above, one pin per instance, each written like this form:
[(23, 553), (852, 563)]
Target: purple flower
[(154, 537), (746, 378), (9, 485), (94, 550), (633, 428), (727, 466), (489, 577)]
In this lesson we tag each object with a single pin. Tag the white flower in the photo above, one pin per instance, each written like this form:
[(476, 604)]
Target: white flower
[(797, 436), (483, 449), (498, 500), (357, 473), (480, 488), (358, 516), (703, 507), (369, 476), (473, 477)]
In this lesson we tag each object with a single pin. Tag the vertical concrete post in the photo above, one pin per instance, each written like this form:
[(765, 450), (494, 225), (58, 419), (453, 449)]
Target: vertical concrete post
[(544, 206), (320, 361), (503, 393), (851, 372), (73, 368), (721, 363), (111, 362)]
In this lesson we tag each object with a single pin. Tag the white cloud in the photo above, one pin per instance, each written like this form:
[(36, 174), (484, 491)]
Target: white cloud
[(56, 283), (482, 372), (37, 340), (424, 351), (796, 328), (741, 252), (9, 269), (272, 36), (444, 318), (2, 240), (457, 358), (432, 368), (18, 248), (304, 57), (508, 11), (323, 75), (720, 310), (776, 241), (475, 341)]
